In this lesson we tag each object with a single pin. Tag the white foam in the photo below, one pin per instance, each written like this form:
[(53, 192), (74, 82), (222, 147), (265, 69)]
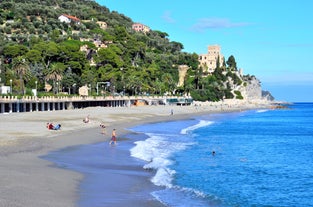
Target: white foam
[(202, 123), (143, 150), (262, 110), (181, 197), (156, 150), (157, 162), (163, 177)]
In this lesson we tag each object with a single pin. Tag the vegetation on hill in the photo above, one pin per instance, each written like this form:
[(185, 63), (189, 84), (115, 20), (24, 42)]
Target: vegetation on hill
[(36, 48)]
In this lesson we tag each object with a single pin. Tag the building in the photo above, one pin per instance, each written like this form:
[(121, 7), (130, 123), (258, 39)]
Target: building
[(138, 27), (209, 61), (69, 19), (102, 25)]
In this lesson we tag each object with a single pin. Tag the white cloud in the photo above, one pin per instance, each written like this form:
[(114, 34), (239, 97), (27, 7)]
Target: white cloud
[(216, 23), (167, 17)]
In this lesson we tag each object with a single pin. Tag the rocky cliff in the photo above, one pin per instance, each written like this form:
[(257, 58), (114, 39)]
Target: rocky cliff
[(252, 90)]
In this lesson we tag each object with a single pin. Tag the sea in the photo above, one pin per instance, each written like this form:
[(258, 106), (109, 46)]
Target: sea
[(255, 158)]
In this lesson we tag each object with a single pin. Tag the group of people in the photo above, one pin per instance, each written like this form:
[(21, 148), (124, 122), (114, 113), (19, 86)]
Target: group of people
[(113, 137), (50, 126), (103, 129)]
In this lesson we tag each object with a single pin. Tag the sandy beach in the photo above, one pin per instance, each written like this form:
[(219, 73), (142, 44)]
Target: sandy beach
[(29, 180)]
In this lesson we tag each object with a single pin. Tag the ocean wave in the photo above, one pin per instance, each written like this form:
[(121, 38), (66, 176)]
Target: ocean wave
[(202, 123), (157, 150), (163, 177), (262, 110), (181, 197)]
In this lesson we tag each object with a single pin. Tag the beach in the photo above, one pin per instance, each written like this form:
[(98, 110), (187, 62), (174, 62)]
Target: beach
[(29, 180)]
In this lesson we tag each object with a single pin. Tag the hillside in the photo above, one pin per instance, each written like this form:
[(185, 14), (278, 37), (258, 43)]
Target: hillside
[(99, 46)]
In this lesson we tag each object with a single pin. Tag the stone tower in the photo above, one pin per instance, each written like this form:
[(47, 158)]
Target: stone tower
[(208, 61), (182, 70)]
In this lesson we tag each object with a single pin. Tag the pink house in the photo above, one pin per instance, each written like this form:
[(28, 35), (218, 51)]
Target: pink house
[(138, 27)]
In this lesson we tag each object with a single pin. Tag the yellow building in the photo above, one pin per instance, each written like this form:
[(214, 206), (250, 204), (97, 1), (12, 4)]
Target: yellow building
[(208, 61)]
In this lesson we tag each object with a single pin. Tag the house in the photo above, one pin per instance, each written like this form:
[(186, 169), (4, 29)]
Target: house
[(102, 25), (69, 19), (138, 27)]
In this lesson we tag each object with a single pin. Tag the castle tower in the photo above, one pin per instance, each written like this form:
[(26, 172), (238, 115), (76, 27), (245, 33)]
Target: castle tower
[(208, 61)]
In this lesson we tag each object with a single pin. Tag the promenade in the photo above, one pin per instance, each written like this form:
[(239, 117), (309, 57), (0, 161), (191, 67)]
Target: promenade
[(12, 104)]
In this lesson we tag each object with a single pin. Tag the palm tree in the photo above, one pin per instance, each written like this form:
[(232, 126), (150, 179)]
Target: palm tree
[(169, 82), (133, 83), (158, 85), (55, 73), (21, 67)]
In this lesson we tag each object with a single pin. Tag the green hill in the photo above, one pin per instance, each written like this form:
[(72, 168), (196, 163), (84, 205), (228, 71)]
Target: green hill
[(37, 48)]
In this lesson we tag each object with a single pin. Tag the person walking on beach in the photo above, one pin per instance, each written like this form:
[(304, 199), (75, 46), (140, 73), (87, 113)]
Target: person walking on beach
[(113, 139)]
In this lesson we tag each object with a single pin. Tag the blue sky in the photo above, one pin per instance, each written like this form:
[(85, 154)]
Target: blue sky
[(271, 39)]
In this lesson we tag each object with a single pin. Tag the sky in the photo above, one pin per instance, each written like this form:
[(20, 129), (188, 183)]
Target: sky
[(271, 39)]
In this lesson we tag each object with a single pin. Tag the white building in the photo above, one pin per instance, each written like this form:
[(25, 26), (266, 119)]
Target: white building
[(69, 19), (5, 89)]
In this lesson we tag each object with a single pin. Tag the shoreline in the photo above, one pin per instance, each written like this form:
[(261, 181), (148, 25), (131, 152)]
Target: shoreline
[(29, 180), (111, 176)]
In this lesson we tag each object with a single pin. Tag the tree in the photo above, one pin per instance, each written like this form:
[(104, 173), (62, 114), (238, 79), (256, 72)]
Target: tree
[(33, 56), (218, 62), (169, 82), (88, 76), (197, 77), (55, 73), (21, 67), (158, 86), (109, 56), (188, 85), (69, 80), (231, 62), (48, 52), (14, 50), (133, 83)]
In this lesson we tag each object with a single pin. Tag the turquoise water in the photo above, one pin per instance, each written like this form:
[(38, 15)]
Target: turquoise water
[(262, 158)]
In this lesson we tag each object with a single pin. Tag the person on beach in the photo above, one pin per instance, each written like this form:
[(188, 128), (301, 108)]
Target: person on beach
[(103, 131), (50, 126), (57, 127), (113, 139), (86, 119)]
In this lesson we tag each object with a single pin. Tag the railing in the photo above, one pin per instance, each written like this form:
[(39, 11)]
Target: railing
[(81, 98)]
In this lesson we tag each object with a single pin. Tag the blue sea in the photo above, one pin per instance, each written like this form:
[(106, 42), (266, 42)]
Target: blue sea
[(262, 158)]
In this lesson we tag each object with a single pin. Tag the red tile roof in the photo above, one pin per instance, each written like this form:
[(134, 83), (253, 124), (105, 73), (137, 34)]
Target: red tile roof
[(72, 17)]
